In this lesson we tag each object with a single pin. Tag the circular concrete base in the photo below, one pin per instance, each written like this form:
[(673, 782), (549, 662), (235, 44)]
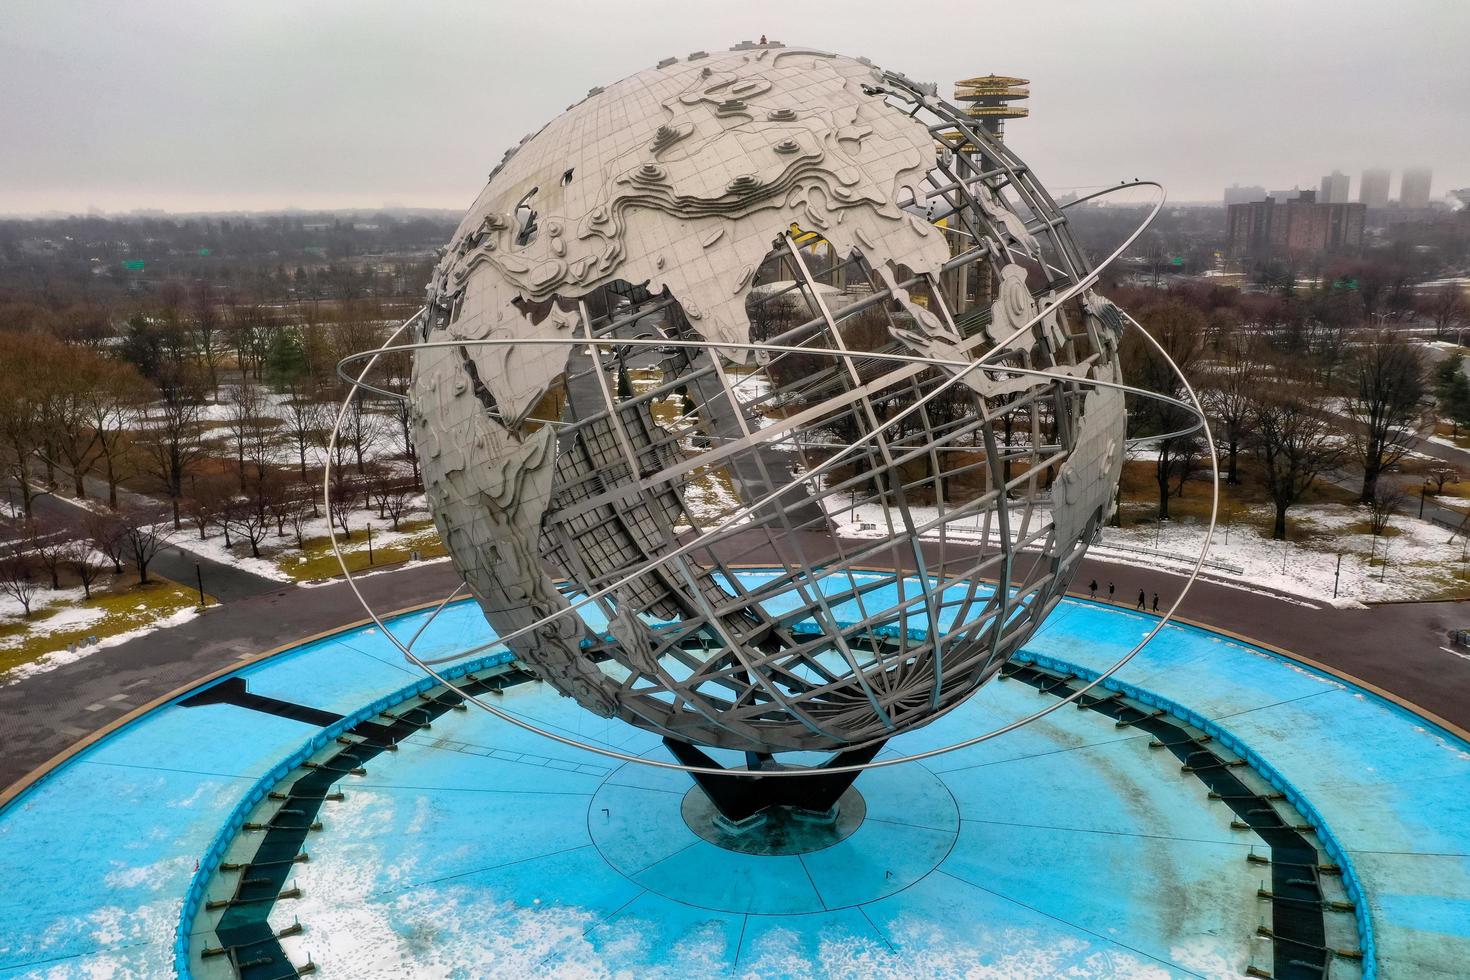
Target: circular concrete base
[(895, 827)]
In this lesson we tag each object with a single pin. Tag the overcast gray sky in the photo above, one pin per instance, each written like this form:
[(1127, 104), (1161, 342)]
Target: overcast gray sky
[(342, 103)]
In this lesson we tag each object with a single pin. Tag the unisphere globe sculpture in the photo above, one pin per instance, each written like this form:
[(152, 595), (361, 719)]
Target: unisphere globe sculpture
[(775, 308)]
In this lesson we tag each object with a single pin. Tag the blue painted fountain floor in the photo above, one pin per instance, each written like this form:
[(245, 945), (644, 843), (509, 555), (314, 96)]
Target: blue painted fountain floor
[(1067, 848)]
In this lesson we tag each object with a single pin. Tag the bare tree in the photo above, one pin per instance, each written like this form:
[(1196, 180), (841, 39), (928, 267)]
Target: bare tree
[(17, 581), (249, 517), (1387, 498), (142, 540), (83, 561), (1180, 330), (1439, 476), (1387, 377), (1447, 308), (392, 497), (250, 329), (48, 543), (172, 436), (283, 502), (111, 406), (22, 413), (1228, 394), (341, 496), (1294, 439), (206, 501), (107, 533), (249, 428), (397, 369), (207, 327), (297, 504), (306, 420), (361, 429), (86, 325), (71, 373)]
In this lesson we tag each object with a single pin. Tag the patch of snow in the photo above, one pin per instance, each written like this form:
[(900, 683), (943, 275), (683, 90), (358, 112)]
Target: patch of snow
[(62, 657), (1418, 555), (359, 576), (43, 599), (1439, 440), (215, 550)]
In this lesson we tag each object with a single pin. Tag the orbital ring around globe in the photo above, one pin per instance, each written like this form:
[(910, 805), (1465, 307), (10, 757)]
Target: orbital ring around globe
[(601, 550), (1193, 405)]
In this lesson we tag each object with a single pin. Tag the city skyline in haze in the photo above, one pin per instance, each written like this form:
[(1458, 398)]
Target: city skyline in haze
[(180, 107)]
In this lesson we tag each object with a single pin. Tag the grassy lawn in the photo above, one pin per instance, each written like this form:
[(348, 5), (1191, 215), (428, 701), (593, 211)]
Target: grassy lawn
[(1460, 437), (119, 608), (1453, 494), (316, 562), (1245, 504)]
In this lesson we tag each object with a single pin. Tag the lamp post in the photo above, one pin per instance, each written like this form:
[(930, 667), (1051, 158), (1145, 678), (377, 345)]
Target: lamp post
[(1423, 488), (199, 578), (370, 543), (1337, 575)]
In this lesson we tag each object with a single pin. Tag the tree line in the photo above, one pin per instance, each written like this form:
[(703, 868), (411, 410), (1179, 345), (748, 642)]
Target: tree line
[(1301, 386)]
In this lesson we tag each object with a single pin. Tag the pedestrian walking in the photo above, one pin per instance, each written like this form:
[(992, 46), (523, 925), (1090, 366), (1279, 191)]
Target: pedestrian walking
[(1092, 588), (1156, 602), (1140, 598), (1110, 592)]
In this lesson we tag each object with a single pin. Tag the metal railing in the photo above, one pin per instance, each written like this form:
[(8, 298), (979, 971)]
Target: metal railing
[(224, 838), (1335, 849)]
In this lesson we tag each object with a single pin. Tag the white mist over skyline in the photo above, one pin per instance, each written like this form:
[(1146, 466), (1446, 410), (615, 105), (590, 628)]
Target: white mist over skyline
[(186, 107)]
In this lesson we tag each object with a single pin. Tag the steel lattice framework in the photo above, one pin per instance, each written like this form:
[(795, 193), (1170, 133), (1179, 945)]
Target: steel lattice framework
[(971, 411)]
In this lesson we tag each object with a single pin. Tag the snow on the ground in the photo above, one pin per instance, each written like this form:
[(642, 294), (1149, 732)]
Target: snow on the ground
[(214, 549), (44, 598), (359, 576), (60, 658), (712, 500), (383, 534), (1421, 558), (1439, 440), (281, 549)]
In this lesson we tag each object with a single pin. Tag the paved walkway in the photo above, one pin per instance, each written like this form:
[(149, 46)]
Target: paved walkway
[(1400, 648)]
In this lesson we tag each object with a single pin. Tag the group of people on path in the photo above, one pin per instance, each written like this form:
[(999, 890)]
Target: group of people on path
[(1112, 589)]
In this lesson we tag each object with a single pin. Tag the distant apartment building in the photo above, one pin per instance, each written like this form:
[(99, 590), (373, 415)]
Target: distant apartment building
[(1290, 195), (1236, 194), (1373, 189), (1334, 188), (1414, 191), (1298, 226)]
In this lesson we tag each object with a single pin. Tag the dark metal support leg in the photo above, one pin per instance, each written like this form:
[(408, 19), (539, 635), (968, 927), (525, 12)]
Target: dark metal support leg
[(741, 795)]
